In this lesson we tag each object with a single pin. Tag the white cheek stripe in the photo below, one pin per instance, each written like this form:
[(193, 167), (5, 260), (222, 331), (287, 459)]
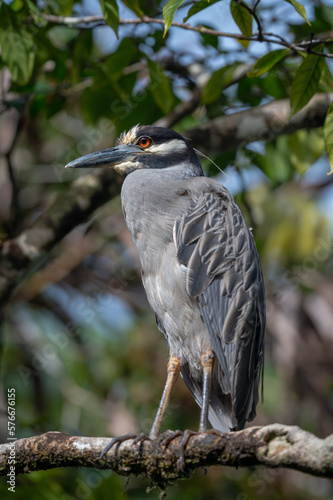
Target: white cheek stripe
[(168, 147), (126, 166)]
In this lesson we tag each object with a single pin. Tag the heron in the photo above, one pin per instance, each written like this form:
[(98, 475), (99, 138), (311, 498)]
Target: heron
[(200, 270)]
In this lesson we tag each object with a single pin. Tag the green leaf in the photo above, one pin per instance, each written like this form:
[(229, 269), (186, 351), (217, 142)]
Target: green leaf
[(306, 82), (35, 13), (328, 136), (160, 87), (326, 80), (83, 46), (115, 63), (134, 6), (267, 62), (17, 5), (243, 19), (18, 47), (300, 9), (217, 82), (169, 11), (306, 146), (276, 162), (208, 39), (198, 7), (110, 13)]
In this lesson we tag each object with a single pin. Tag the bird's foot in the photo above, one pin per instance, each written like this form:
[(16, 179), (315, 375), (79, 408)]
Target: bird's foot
[(168, 436), (141, 437), (182, 447), (215, 432), (185, 436), (118, 440)]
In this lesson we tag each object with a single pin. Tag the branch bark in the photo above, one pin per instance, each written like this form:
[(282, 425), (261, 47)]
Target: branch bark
[(262, 123), (272, 446)]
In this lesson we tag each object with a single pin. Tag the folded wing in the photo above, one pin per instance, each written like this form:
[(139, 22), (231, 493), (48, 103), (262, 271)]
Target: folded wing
[(224, 273)]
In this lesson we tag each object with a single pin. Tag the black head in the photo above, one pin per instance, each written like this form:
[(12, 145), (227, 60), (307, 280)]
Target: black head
[(144, 147)]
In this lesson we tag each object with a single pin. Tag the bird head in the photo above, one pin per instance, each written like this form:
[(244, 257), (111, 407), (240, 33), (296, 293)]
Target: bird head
[(143, 147)]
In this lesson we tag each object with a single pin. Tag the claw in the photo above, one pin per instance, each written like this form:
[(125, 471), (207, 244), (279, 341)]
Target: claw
[(141, 437), (184, 441), (214, 432), (182, 445), (117, 441), (166, 440)]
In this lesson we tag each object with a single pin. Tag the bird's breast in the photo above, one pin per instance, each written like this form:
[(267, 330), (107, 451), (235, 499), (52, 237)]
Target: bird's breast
[(151, 211), (151, 207)]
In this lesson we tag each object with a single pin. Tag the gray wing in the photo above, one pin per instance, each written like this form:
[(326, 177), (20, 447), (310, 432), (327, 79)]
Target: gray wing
[(224, 273)]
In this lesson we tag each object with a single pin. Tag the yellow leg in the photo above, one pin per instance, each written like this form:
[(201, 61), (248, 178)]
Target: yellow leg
[(174, 366), (207, 361)]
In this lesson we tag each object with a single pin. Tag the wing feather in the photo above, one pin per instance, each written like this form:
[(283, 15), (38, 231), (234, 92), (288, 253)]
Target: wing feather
[(224, 273)]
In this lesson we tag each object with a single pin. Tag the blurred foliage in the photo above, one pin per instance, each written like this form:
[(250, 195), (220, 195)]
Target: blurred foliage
[(79, 343)]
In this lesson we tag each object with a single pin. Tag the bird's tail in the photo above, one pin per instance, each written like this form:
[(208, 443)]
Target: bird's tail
[(220, 413)]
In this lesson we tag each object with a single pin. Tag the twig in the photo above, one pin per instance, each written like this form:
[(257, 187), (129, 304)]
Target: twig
[(15, 209), (255, 17), (256, 37), (273, 446), (309, 48)]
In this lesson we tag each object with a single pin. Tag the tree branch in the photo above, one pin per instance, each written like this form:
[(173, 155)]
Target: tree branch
[(273, 446), (182, 110), (262, 123), (20, 255), (256, 37)]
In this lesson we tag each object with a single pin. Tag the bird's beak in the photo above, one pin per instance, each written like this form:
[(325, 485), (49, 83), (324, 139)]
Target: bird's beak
[(117, 157)]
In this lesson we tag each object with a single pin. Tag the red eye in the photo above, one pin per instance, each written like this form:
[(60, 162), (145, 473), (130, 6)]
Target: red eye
[(144, 142)]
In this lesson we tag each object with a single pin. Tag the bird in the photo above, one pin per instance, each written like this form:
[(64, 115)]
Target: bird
[(200, 269)]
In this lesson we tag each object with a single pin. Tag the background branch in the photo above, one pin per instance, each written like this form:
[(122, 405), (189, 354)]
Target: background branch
[(257, 37), (20, 255), (273, 446), (262, 123)]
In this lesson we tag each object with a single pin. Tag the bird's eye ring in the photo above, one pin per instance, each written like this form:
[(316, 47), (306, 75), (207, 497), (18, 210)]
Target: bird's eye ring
[(144, 142)]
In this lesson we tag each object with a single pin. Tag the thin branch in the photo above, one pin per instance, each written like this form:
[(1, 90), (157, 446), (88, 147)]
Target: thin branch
[(257, 37), (255, 17), (15, 210), (273, 446), (15, 207)]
